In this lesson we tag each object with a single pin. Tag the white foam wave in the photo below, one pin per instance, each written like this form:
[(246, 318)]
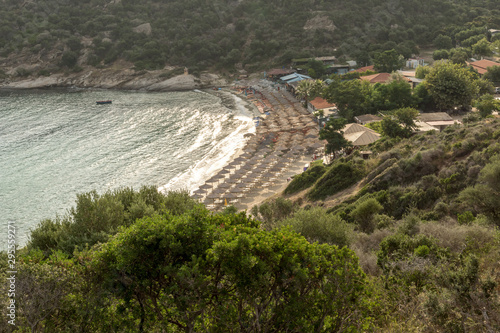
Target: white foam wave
[(221, 154)]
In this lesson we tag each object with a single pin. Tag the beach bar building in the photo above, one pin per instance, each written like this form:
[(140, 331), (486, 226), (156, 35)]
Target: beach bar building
[(359, 135), (291, 81)]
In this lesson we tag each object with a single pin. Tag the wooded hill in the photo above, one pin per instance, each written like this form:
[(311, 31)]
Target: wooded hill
[(63, 34)]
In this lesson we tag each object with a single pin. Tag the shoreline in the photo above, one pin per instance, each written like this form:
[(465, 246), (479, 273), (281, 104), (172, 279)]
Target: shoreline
[(118, 79), (285, 140), (241, 109), (282, 123)]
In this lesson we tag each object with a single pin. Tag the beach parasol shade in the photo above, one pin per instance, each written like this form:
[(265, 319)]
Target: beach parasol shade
[(230, 196), (197, 196), (249, 180), (237, 190), (268, 175), (232, 180), (202, 190), (224, 172), (214, 196), (318, 145), (224, 185), (252, 162), (212, 180), (281, 148)]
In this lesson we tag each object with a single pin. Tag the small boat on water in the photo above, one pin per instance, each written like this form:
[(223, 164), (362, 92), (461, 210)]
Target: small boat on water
[(104, 102)]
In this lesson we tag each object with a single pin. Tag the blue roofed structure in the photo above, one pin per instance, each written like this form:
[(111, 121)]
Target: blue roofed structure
[(295, 77)]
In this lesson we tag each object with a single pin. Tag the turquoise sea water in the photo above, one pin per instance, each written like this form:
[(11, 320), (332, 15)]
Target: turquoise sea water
[(55, 144)]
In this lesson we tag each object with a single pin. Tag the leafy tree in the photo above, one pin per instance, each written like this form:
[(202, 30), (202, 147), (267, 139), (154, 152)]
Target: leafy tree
[(484, 196), (273, 211), (482, 48), (396, 94), (351, 97), (493, 75), (450, 86), (443, 42), (486, 104), (96, 217), (400, 123), (388, 61), (364, 212), (69, 59), (440, 54), (332, 133), (310, 89), (316, 225), (422, 71), (459, 56), (200, 271), (484, 87), (316, 69), (41, 286)]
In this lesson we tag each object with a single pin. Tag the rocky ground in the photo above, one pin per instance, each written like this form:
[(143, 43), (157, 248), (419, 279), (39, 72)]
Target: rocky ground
[(110, 78), (24, 72)]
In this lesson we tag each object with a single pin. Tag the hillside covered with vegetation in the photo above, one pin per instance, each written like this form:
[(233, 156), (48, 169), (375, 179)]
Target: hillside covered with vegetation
[(406, 241), (58, 35)]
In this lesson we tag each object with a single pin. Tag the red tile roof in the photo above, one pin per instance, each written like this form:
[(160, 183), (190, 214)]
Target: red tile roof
[(482, 65), (377, 78), (364, 69), (320, 103)]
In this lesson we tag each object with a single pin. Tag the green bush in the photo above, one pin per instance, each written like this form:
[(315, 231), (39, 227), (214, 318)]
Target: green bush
[(339, 177), (305, 179), (96, 217), (316, 225)]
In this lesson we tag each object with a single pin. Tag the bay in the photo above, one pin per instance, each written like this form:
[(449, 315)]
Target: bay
[(57, 143)]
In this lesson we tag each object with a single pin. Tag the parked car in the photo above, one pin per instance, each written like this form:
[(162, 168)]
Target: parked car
[(497, 90)]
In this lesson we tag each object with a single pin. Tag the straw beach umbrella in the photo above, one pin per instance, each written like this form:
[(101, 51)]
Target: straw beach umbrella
[(224, 185)]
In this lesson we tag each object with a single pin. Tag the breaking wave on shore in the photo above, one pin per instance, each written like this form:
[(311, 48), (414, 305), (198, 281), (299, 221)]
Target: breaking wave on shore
[(55, 144)]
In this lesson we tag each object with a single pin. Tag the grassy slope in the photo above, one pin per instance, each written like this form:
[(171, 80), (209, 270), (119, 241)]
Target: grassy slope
[(430, 254)]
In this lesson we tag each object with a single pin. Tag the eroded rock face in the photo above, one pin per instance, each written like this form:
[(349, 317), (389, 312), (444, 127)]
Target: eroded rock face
[(320, 22), (126, 79), (143, 29)]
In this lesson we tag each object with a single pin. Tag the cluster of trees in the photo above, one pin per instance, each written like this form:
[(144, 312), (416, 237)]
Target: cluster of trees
[(460, 44), (446, 87), (416, 248), (220, 33), (179, 268)]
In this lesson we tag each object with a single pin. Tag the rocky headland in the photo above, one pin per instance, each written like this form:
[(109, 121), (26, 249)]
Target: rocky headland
[(126, 79)]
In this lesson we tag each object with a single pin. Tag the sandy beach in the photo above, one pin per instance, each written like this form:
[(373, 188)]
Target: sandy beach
[(285, 140)]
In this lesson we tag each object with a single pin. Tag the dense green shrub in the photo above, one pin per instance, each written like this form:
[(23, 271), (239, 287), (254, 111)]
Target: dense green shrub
[(305, 179), (96, 217), (316, 225), (339, 177)]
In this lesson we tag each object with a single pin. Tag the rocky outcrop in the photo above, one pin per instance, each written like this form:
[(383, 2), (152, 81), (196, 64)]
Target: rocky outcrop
[(126, 79), (143, 29)]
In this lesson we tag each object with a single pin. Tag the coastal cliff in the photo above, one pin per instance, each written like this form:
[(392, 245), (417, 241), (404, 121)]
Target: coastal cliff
[(126, 79)]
